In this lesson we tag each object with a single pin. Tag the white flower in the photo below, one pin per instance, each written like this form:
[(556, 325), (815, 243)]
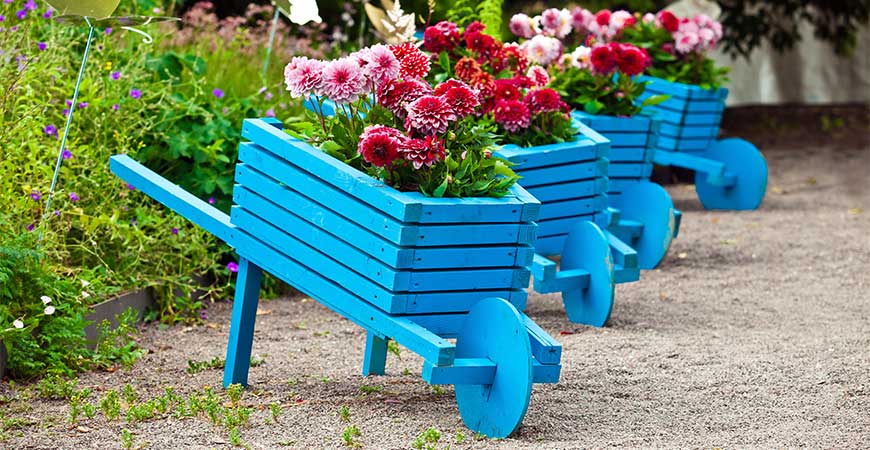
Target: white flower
[(85, 283), (17, 323), (304, 11), (85, 294), (400, 25), (49, 310), (45, 299)]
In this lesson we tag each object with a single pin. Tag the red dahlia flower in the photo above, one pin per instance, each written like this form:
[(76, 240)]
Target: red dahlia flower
[(603, 59), (513, 115), (460, 97), (475, 27), (412, 62), (396, 95), (429, 115), (422, 152), (506, 89), (379, 149), (669, 21), (632, 60), (466, 68), (510, 56), (443, 36), (542, 100), (603, 17)]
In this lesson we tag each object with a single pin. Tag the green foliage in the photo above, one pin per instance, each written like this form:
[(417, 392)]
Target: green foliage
[(427, 440), (110, 405), (614, 95), (116, 344), (126, 439), (691, 68), (344, 413), (349, 435), (488, 12)]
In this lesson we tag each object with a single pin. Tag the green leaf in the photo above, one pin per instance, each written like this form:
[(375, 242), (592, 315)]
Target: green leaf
[(654, 100), (439, 191)]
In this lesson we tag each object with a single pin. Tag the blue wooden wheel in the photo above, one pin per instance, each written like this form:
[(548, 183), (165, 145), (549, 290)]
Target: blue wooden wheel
[(587, 248), (649, 204), (494, 330), (749, 168)]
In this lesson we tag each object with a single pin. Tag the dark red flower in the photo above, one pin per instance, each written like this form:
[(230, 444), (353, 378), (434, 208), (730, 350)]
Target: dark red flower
[(429, 115), (511, 57), (506, 89), (475, 27), (541, 100), (466, 68), (379, 149), (632, 60), (460, 97), (443, 36), (669, 21), (482, 44), (403, 50), (396, 95), (603, 17), (603, 59), (523, 82), (513, 115), (448, 84), (422, 152), (484, 83)]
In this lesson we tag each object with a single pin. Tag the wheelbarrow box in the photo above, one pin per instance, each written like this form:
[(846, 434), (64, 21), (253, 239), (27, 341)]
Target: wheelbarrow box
[(570, 180), (690, 117), (403, 252)]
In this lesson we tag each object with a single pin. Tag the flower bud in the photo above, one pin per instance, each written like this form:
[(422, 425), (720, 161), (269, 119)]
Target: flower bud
[(487, 153)]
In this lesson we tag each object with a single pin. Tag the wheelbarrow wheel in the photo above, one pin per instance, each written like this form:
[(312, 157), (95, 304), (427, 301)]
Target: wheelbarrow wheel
[(747, 164), (587, 248), (649, 204), (494, 330)]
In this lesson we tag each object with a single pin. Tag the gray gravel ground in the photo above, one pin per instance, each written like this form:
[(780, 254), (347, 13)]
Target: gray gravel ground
[(755, 332)]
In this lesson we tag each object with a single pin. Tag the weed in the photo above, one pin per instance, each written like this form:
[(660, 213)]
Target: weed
[(460, 437), (321, 333), (437, 390), (110, 404), (349, 436), (126, 439), (56, 388), (393, 347), (344, 413), (406, 372), (130, 395), (325, 379), (236, 437), (275, 411), (427, 439), (366, 389), (234, 392), (194, 367), (257, 360)]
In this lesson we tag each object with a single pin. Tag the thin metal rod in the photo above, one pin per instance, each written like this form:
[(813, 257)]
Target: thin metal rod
[(72, 109), (271, 41)]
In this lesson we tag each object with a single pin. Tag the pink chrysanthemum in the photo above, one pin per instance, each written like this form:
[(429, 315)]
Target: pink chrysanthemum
[(379, 64), (343, 80), (429, 115), (513, 115), (422, 152), (459, 96), (396, 95), (543, 50), (303, 76), (379, 149), (542, 100), (523, 26), (380, 129), (539, 76)]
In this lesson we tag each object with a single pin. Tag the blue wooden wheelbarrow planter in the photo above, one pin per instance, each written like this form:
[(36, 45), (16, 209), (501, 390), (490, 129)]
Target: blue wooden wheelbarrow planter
[(729, 173), (570, 180), (647, 218), (401, 265)]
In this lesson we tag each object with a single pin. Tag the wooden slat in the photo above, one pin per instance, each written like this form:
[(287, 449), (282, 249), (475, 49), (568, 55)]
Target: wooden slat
[(573, 207), (583, 149), (631, 170), (611, 124), (562, 173), (583, 188)]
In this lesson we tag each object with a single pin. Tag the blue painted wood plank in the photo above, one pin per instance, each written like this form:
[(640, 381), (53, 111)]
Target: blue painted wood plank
[(472, 257), (171, 195), (623, 254), (556, 192), (682, 144), (628, 154), (405, 206), (677, 131), (682, 90), (375, 356), (582, 149), (463, 371), (564, 280), (609, 124), (558, 226), (296, 183), (244, 316), (688, 161), (562, 173), (451, 302), (631, 170), (695, 119), (545, 373), (545, 349), (551, 245), (573, 207)]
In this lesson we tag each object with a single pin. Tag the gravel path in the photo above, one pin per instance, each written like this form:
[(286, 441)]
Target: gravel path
[(754, 332)]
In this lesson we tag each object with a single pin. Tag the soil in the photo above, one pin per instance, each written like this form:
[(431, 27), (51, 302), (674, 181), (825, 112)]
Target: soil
[(754, 332)]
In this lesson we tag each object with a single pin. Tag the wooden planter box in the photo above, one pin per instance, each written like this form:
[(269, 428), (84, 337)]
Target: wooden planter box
[(690, 117), (570, 180), (632, 146), (402, 252)]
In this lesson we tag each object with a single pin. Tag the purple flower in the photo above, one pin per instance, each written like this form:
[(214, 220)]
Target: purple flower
[(174, 230), (42, 46), (83, 105), (116, 75), (134, 222), (65, 112), (56, 213), (35, 195), (131, 187), (14, 29), (66, 154), (218, 93), (270, 112), (51, 130), (73, 197), (48, 13), (21, 14), (203, 315), (2, 18), (211, 200), (30, 5), (31, 227), (115, 107), (232, 267), (136, 93), (68, 102), (108, 31), (269, 96)]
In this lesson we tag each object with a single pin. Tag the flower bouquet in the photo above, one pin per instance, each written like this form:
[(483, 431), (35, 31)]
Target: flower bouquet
[(393, 125)]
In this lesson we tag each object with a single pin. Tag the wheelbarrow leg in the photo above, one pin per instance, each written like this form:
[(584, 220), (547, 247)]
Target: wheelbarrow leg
[(242, 325), (375, 360)]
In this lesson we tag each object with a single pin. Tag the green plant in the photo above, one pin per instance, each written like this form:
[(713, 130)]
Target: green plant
[(275, 411), (194, 367), (344, 413), (489, 12), (110, 405), (349, 435), (56, 388), (428, 439), (130, 395), (126, 439), (117, 344), (460, 437), (394, 348)]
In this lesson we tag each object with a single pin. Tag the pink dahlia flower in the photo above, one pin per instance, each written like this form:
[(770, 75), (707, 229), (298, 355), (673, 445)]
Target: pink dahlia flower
[(343, 80), (523, 26), (539, 76), (543, 50), (379, 64), (379, 149), (513, 115), (461, 97), (556, 22), (543, 100), (396, 95), (429, 115), (422, 152), (303, 76)]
